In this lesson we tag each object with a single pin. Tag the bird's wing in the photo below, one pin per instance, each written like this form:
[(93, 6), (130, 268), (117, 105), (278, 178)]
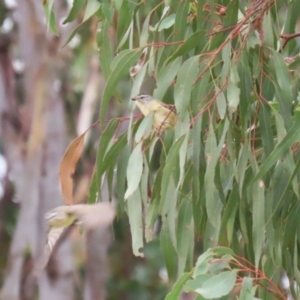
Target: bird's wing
[(92, 216), (52, 238), (89, 215)]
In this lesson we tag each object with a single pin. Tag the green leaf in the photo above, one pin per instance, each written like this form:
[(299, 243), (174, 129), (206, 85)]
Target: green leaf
[(268, 36), (196, 283), (91, 8), (75, 10), (138, 81), (145, 31), (243, 210), (178, 286), (168, 210), (185, 233), (165, 78), (213, 203), (230, 213), (283, 83), (120, 67), (232, 13), (265, 126), (124, 19), (171, 162), (202, 264), (183, 87), (189, 44), (216, 267), (202, 22), (218, 286), (110, 174), (105, 48), (145, 183), (292, 136), (258, 214), (121, 176), (181, 20), (151, 215), (51, 20), (164, 24), (233, 96), (164, 13), (105, 142), (195, 134), (144, 128), (134, 170), (168, 252), (93, 190), (221, 251), (182, 129), (226, 55), (72, 35), (113, 153), (248, 290), (135, 215), (221, 103)]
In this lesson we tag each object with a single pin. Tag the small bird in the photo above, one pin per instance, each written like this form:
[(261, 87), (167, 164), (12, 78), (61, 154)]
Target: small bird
[(163, 117), (89, 216)]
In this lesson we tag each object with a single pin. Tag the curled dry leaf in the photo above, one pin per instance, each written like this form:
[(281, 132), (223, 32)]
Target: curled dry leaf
[(68, 166), (134, 70), (89, 216)]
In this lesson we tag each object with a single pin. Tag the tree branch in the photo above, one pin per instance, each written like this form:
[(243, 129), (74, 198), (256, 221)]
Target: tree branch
[(287, 37)]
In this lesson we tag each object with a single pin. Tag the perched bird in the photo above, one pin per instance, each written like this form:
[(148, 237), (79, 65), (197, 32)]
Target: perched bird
[(163, 117), (89, 216)]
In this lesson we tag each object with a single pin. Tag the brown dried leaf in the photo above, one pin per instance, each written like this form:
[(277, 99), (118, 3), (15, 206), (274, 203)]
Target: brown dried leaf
[(67, 167), (135, 69)]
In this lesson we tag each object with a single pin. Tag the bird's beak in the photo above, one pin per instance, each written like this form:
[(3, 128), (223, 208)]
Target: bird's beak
[(133, 98)]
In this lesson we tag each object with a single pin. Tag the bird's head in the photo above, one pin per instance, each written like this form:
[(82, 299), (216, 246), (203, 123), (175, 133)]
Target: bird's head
[(142, 98)]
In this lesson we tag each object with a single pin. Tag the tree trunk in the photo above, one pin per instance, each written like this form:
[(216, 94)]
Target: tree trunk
[(34, 142)]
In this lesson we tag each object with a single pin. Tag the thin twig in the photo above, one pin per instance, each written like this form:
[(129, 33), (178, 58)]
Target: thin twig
[(287, 37)]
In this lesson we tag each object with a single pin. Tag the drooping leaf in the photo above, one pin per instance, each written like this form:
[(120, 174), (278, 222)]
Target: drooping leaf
[(51, 20), (75, 10), (172, 158), (168, 252), (202, 263), (105, 48), (165, 78), (105, 142), (178, 286), (190, 43), (258, 212), (119, 68), (135, 214), (291, 137), (185, 233), (68, 166), (218, 286), (134, 170), (183, 87), (91, 8)]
